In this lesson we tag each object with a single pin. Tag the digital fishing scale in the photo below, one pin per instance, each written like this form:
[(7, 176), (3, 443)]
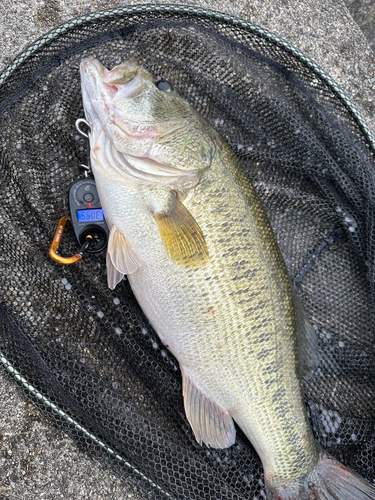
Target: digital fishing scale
[(86, 214)]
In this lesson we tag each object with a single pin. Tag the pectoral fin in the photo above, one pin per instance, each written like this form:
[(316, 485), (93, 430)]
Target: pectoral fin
[(121, 259), (113, 276), (182, 237), (210, 424)]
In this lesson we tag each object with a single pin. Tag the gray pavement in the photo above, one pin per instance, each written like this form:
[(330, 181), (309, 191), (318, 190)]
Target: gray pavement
[(36, 460), (39, 461), (363, 12)]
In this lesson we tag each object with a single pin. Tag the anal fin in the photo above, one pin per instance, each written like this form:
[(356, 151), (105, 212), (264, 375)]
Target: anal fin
[(211, 425)]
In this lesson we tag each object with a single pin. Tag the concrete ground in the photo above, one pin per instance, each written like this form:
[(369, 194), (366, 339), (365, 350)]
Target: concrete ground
[(36, 460), (363, 13)]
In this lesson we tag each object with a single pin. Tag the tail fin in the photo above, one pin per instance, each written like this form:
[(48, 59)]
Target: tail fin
[(328, 480)]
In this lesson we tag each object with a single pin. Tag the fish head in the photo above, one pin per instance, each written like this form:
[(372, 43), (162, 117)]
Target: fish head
[(142, 129)]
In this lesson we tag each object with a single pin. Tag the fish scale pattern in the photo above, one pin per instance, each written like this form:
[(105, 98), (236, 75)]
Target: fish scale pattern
[(86, 354)]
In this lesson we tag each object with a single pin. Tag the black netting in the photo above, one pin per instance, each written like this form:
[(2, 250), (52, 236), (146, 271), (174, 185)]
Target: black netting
[(90, 350)]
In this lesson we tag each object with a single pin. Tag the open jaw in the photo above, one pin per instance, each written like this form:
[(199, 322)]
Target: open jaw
[(103, 91), (102, 87), (121, 145), (122, 81)]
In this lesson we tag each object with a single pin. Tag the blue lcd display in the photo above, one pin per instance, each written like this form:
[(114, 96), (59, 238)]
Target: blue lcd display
[(91, 215)]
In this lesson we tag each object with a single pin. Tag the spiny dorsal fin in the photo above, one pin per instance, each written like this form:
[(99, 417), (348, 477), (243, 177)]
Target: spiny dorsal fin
[(121, 257), (182, 237), (210, 424)]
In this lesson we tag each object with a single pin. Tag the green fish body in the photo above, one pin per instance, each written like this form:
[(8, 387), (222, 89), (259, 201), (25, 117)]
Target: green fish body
[(189, 231)]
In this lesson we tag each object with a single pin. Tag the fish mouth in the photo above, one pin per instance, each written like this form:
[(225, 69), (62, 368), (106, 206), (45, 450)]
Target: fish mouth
[(103, 88), (90, 65), (122, 145), (123, 81), (92, 73)]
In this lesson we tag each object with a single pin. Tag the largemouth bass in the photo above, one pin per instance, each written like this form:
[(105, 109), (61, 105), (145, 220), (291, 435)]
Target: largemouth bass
[(189, 231)]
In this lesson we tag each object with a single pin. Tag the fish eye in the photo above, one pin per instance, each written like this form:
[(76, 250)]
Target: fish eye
[(163, 85)]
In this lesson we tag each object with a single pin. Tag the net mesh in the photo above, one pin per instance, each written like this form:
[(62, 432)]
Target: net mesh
[(90, 350)]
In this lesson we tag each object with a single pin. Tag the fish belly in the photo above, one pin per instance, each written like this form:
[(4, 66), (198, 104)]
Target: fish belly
[(231, 323)]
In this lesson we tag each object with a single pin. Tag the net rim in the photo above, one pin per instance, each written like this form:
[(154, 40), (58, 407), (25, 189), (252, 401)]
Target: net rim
[(37, 396), (198, 12)]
